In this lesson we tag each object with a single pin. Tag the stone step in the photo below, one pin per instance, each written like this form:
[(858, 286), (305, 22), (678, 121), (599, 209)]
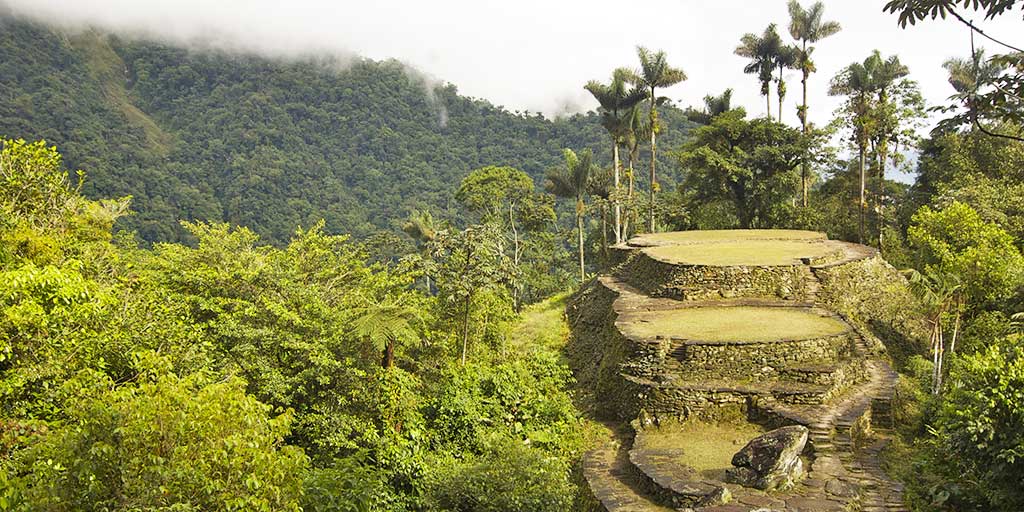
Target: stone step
[(610, 482)]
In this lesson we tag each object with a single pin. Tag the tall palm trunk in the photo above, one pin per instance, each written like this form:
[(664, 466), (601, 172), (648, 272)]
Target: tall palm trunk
[(628, 218), (579, 232), (516, 255), (804, 171), (604, 230), (654, 150), (618, 206), (768, 102), (779, 92), (863, 202)]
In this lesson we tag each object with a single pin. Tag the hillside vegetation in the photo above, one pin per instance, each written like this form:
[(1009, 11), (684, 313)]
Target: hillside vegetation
[(268, 144)]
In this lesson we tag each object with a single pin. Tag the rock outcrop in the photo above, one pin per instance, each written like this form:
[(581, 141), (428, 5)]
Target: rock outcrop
[(771, 461)]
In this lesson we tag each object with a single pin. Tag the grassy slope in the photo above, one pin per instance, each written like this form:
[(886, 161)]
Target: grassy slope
[(106, 66)]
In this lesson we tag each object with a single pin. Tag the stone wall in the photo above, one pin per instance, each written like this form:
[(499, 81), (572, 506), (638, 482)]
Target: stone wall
[(598, 353), (701, 282), (742, 359), (876, 299)]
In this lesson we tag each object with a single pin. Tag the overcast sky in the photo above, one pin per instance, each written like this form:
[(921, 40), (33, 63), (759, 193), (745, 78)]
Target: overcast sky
[(536, 55)]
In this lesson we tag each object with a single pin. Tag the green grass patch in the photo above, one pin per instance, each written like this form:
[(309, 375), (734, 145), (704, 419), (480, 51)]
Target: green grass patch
[(737, 323), (707, 447), (722, 235), (740, 252), (542, 325)]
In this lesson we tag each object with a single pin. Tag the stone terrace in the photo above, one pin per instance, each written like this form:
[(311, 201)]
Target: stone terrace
[(676, 335)]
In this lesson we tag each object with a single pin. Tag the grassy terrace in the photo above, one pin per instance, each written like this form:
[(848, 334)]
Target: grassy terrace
[(740, 252), (739, 323), (683, 237), (707, 448)]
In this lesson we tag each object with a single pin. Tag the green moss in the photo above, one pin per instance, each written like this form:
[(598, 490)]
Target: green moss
[(737, 323), (740, 252)]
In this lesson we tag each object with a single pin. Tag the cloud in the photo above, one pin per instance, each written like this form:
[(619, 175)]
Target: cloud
[(531, 54)]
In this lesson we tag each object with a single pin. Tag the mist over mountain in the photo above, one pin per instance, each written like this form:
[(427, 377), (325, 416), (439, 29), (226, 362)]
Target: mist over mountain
[(269, 143)]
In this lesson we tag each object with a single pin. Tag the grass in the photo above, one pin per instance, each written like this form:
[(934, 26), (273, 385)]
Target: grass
[(542, 325), (739, 252), (738, 323), (729, 234), (707, 447)]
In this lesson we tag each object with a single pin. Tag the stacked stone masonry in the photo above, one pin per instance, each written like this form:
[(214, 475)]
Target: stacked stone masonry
[(831, 383)]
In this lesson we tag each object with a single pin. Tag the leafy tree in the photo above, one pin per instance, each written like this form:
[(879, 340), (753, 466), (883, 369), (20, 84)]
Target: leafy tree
[(505, 197), (978, 426), (806, 25), (385, 325), (165, 442), (956, 241), (616, 102), (422, 228), (571, 181), (749, 163), (655, 73), (466, 264), (996, 98)]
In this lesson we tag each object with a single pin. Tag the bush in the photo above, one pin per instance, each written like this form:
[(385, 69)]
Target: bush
[(510, 476), (166, 443)]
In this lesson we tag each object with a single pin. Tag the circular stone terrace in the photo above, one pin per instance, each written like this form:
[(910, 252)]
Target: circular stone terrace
[(734, 324), (752, 247)]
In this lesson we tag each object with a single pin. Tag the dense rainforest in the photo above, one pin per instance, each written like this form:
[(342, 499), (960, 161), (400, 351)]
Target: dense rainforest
[(205, 135), (338, 286)]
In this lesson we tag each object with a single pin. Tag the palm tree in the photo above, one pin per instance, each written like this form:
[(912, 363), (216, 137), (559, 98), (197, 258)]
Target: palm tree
[(806, 26), (639, 131), (763, 52), (856, 82), (600, 187), (655, 72), (968, 75), (713, 106), (941, 295), (885, 75), (571, 181), (423, 229), (616, 100), (384, 325), (785, 58)]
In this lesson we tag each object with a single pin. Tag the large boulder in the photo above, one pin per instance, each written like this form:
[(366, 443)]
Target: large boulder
[(770, 461)]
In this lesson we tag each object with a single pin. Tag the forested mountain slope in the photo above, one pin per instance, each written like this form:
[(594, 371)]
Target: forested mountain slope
[(268, 144)]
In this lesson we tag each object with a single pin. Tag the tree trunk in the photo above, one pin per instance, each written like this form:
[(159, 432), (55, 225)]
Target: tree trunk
[(618, 207), (628, 218), (604, 230), (654, 146), (465, 327), (516, 303), (804, 171), (779, 93), (863, 164), (768, 102), (881, 194), (579, 231), (389, 354)]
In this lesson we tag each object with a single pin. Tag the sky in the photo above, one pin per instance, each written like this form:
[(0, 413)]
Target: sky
[(536, 54)]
